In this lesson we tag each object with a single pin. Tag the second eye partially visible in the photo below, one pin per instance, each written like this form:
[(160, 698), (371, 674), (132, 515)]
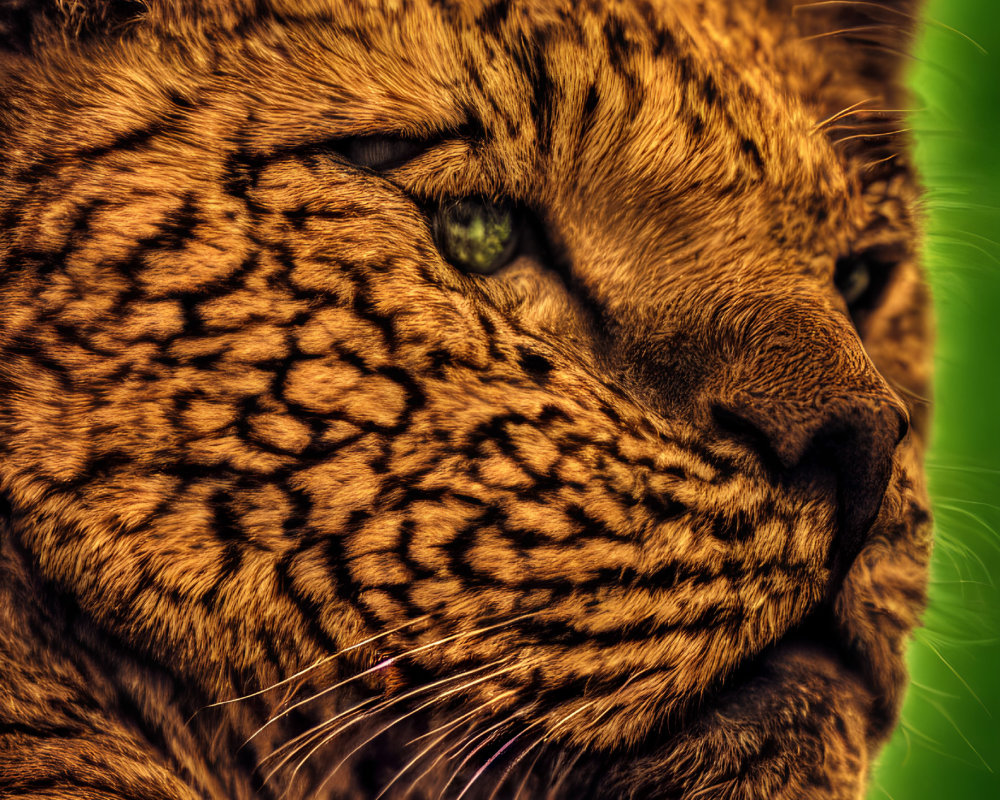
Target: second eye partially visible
[(862, 278)]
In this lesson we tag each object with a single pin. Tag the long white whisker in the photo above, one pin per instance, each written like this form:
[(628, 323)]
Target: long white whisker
[(312, 698), (454, 722), (380, 707), (876, 135), (383, 665), (863, 3), (438, 698), (568, 717), (856, 29), (444, 729), (320, 662), (458, 747), (842, 113), (319, 732), (531, 767), (492, 734), (297, 742), (489, 761), (544, 738), (874, 164), (564, 773), (413, 761), (461, 743), (899, 12)]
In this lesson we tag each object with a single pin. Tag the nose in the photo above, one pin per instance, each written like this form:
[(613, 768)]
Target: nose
[(825, 409)]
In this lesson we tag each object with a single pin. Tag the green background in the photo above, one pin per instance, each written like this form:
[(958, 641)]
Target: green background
[(948, 745)]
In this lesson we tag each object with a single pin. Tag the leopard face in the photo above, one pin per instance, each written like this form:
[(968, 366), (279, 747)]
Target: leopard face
[(633, 503)]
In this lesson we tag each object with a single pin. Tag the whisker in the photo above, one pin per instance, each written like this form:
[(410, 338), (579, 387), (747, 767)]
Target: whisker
[(312, 698), (460, 744), (963, 468), (493, 733), (383, 665), (568, 717), (465, 761), (453, 722), (315, 665), (543, 740), (840, 31), (860, 124), (531, 768), (565, 773), (911, 393), (944, 713), (454, 750), (545, 737), (510, 768), (413, 761), (843, 112), (871, 165), (489, 761), (446, 728), (408, 714), (864, 3), (897, 11), (379, 708), (297, 742), (872, 135)]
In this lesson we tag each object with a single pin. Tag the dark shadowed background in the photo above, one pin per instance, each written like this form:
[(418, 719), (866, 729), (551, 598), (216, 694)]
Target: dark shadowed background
[(948, 745)]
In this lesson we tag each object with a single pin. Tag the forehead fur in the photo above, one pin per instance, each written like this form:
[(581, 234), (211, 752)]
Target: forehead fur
[(663, 96)]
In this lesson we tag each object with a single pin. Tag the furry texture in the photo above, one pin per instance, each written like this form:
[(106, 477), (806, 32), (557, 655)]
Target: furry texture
[(637, 516)]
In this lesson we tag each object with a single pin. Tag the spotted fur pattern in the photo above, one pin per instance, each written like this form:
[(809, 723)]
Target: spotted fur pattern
[(641, 515)]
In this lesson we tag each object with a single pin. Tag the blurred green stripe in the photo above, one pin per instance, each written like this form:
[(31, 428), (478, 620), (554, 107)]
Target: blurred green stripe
[(949, 743)]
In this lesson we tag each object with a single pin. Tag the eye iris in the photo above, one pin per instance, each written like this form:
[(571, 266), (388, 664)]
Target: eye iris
[(475, 235)]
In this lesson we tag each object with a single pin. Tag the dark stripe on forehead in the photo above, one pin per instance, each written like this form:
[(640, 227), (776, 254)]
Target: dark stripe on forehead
[(529, 55), (494, 16), (619, 47)]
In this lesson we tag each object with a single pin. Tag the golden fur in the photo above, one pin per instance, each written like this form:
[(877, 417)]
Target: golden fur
[(640, 515)]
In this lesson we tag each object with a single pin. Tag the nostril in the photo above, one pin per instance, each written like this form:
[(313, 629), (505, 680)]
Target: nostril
[(788, 432), (745, 428)]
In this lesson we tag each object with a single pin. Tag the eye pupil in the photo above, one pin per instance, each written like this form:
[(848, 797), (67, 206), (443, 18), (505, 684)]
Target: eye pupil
[(475, 235)]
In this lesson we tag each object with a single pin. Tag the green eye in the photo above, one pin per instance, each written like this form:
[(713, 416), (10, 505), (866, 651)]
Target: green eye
[(476, 235)]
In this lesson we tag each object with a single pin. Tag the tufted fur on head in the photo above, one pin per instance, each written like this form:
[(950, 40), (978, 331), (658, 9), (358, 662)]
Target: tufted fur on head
[(299, 504)]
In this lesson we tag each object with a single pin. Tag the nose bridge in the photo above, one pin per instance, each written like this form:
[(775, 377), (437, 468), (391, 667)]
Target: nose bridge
[(797, 370)]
